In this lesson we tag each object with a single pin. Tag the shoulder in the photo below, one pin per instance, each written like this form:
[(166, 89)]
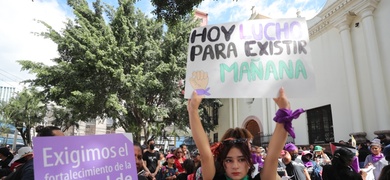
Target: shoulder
[(299, 165)]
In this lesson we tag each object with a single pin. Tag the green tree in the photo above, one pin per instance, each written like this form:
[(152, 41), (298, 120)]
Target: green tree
[(128, 68), (173, 11), (24, 111), (62, 117), (5, 115)]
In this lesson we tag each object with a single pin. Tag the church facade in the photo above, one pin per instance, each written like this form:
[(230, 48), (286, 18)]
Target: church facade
[(350, 50)]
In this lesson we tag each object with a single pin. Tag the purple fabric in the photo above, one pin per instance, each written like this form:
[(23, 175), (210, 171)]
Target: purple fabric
[(254, 158), (286, 116), (308, 164), (203, 91), (257, 160), (355, 164), (376, 158), (290, 147)]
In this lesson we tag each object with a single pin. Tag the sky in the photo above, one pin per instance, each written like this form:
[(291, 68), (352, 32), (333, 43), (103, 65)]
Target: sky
[(18, 22)]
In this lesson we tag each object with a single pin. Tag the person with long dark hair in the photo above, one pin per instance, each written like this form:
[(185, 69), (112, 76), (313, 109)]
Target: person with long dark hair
[(48, 131), (233, 153), (341, 169), (189, 168)]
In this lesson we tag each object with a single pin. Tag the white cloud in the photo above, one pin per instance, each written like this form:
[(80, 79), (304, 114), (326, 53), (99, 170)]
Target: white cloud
[(17, 22), (18, 42)]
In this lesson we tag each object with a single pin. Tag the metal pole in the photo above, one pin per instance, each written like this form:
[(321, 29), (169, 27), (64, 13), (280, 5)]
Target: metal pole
[(15, 138)]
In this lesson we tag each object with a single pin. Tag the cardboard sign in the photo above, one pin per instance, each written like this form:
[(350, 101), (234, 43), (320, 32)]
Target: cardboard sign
[(105, 157), (250, 59)]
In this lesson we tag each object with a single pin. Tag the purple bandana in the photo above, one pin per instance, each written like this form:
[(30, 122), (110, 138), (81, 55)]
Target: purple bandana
[(203, 91), (286, 116), (376, 158), (308, 164)]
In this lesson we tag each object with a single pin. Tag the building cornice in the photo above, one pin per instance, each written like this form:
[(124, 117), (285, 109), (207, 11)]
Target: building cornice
[(340, 12)]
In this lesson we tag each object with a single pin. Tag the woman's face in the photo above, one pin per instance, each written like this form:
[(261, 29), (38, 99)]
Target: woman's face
[(58, 133), (171, 160), (375, 150), (235, 164), (318, 153), (179, 153), (138, 157)]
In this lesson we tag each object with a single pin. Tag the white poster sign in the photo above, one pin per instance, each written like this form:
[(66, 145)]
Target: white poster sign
[(250, 59)]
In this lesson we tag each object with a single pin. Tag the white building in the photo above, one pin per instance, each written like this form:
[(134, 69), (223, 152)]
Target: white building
[(350, 49)]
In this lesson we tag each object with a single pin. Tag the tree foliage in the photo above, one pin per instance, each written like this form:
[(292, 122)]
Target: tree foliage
[(127, 68), (24, 111), (172, 11)]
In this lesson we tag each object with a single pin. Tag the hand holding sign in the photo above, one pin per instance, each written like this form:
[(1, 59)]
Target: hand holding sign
[(250, 59), (199, 82)]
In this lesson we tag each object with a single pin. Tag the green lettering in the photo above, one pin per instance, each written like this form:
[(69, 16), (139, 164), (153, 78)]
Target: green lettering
[(244, 68), (223, 67), (256, 70), (270, 68), (300, 69), (288, 69)]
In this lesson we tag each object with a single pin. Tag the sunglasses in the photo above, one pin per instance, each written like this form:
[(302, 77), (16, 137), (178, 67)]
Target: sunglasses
[(234, 141)]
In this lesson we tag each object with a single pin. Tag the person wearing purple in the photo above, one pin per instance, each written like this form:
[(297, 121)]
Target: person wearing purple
[(340, 168), (233, 153), (293, 166), (293, 150), (376, 158), (313, 168)]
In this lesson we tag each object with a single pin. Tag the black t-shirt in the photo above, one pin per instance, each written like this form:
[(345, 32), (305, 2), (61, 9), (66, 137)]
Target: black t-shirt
[(340, 173), (151, 160), (182, 176), (363, 153)]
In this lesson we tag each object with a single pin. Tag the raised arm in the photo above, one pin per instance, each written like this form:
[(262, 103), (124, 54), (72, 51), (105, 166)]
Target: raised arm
[(200, 137), (278, 139)]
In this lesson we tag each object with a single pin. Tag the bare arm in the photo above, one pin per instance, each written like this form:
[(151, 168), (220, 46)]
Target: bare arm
[(200, 137), (276, 143), (157, 168), (306, 174)]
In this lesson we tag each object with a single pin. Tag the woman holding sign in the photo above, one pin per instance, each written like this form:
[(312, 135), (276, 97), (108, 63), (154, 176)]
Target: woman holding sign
[(233, 154)]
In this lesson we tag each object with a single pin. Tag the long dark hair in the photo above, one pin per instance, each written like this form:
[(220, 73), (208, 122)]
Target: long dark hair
[(189, 166), (342, 158), (385, 173), (226, 146), (5, 152), (46, 131)]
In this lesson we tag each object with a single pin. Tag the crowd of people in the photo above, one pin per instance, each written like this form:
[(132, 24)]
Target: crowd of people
[(234, 157), (19, 165)]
